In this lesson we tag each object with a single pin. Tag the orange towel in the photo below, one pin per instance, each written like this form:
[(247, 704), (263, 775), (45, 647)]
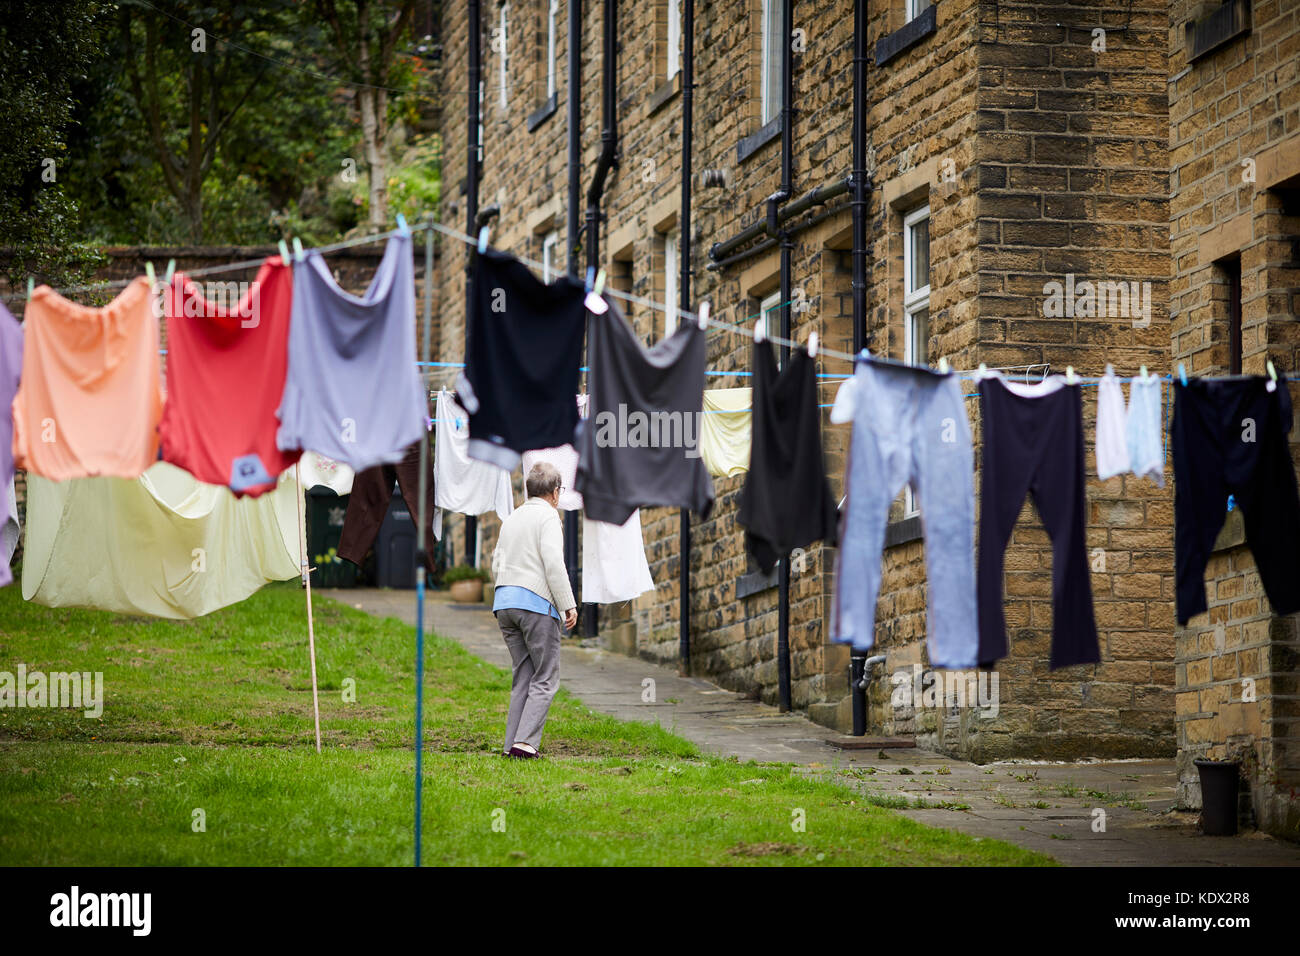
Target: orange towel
[(91, 391)]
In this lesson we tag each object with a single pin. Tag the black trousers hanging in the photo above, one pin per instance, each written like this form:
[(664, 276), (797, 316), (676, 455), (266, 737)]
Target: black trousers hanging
[(1033, 444), (1230, 437), (372, 490)]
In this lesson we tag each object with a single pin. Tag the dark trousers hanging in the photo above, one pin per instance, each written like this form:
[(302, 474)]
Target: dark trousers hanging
[(372, 490), (1033, 444), (1230, 437)]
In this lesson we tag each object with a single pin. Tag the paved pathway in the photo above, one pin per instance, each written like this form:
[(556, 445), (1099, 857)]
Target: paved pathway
[(1047, 807)]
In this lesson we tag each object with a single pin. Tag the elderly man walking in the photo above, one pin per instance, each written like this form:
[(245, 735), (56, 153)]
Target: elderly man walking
[(532, 590)]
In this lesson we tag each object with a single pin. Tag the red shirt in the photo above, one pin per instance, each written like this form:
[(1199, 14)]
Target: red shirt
[(226, 366)]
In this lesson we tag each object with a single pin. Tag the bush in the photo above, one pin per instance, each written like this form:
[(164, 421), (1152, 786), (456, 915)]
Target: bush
[(463, 572)]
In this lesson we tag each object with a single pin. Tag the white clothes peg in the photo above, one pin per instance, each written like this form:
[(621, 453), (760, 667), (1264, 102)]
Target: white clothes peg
[(171, 271), (298, 254), (31, 286), (599, 287), (812, 344), (1144, 373), (482, 240), (704, 315), (1069, 374), (1272, 376), (943, 366), (148, 270), (284, 253), (759, 334)]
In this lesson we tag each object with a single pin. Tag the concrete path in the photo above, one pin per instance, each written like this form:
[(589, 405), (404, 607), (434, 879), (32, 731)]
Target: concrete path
[(1048, 807)]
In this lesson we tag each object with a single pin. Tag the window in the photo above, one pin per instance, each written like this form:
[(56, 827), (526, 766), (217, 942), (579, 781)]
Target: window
[(671, 266), (550, 251), (552, 18), (916, 305), (773, 22), (916, 7), (674, 63), (1231, 269), (503, 58)]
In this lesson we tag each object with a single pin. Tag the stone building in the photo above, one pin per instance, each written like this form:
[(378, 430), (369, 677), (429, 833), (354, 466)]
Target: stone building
[(1009, 147)]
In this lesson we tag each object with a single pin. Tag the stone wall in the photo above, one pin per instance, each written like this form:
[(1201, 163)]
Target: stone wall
[(1235, 160)]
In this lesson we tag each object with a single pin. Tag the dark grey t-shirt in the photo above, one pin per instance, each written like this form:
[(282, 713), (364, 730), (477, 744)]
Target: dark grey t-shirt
[(640, 443)]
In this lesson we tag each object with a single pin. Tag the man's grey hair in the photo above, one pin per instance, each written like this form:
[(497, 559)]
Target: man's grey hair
[(543, 478)]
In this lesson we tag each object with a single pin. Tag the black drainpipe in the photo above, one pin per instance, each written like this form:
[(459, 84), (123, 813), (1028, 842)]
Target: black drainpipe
[(571, 228), (858, 179), (787, 247), (471, 196), (606, 162), (684, 250)]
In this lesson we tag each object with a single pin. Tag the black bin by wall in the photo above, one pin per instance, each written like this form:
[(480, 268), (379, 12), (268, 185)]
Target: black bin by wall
[(395, 561)]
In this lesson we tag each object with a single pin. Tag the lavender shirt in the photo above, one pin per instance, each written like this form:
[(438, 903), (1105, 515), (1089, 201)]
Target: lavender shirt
[(11, 366), (353, 392)]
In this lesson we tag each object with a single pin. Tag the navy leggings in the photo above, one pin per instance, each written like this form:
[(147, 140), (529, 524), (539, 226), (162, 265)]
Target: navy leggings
[(1033, 444)]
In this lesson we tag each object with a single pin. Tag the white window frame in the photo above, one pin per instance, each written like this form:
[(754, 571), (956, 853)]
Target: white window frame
[(549, 245), (769, 308), (917, 7), (503, 57), (552, 16), (671, 266), (770, 65), (673, 62), (916, 300)]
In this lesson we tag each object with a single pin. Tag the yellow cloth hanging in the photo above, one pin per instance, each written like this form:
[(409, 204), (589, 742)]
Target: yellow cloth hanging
[(725, 431), (163, 544)]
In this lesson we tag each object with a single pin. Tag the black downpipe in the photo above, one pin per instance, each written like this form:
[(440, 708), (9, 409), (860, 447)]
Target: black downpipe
[(472, 109), (787, 248), (572, 226), (606, 162), (688, 112), (858, 180)]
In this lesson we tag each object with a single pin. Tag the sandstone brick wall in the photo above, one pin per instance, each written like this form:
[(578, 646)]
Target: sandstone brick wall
[(1235, 151), (1056, 162)]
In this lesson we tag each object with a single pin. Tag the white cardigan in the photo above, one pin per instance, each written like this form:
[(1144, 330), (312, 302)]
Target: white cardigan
[(530, 554)]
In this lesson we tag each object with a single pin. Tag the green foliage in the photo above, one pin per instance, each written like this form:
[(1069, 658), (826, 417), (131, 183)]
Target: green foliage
[(463, 572), (44, 48)]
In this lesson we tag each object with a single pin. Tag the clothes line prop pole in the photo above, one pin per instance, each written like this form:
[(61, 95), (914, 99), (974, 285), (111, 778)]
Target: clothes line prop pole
[(419, 550), (306, 580)]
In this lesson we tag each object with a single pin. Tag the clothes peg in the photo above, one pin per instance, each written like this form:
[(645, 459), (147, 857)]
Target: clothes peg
[(171, 271), (943, 366), (704, 315), (759, 335), (1182, 373), (812, 344), (402, 227), (148, 270), (1144, 373), (31, 286), (298, 254), (482, 240), (1069, 374), (982, 371), (599, 287), (1272, 376), (284, 253)]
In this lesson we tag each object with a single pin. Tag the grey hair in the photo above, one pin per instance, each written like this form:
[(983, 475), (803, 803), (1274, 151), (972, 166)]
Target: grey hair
[(543, 478)]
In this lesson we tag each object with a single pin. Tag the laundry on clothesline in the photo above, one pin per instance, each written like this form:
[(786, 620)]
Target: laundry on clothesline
[(226, 369), (725, 432), (353, 391), (90, 397), (786, 502), (372, 491), (639, 447), (1129, 436), (11, 365), (161, 545), (10, 533), (463, 484), (909, 427), (1230, 438), (320, 471), (522, 360), (614, 565)]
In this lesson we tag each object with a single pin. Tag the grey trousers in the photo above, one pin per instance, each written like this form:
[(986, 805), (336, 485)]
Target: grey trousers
[(534, 643)]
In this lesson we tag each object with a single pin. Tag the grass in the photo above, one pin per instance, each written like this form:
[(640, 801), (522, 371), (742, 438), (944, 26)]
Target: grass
[(204, 755)]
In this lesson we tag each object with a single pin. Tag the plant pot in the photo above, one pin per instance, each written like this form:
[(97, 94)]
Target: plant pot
[(1220, 784), (467, 592)]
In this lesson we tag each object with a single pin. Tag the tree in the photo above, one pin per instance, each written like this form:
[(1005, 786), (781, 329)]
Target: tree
[(44, 48), (366, 36)]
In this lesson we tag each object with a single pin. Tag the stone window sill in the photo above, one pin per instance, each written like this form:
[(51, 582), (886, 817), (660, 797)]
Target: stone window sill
[(908, 35), (667, 90), (751, 144), (544, 112)]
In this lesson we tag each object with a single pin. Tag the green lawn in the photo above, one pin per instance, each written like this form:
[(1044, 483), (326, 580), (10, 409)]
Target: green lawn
[(214, 715)]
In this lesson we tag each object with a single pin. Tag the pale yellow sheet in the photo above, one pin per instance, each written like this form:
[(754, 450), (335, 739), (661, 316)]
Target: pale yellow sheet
[(162, 545), (725, 431)]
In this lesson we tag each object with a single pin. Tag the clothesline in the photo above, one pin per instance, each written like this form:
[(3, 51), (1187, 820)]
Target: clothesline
[(682, 314)]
